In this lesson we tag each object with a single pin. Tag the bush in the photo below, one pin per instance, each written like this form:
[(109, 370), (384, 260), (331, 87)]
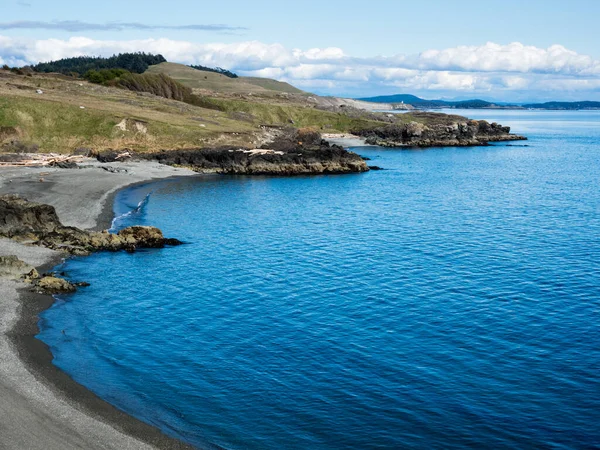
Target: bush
[(161, 85), (103, 76)]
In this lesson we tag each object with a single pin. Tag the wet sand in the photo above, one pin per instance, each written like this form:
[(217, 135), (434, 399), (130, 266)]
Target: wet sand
[(40, 406)]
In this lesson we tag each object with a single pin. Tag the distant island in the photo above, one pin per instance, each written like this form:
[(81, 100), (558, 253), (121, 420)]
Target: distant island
[(585, 105), (406, 101)]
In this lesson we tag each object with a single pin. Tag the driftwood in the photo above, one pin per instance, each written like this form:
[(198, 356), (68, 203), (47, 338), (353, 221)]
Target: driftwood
[(50, 159), (123, 155)]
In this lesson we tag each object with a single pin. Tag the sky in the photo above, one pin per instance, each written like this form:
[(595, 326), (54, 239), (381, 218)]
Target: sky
[(513, 51)]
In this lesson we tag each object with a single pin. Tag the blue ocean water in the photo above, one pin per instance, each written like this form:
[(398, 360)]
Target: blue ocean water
[(450, 301)]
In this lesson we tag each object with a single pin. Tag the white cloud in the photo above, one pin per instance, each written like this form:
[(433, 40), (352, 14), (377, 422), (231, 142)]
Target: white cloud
[(493, 69)]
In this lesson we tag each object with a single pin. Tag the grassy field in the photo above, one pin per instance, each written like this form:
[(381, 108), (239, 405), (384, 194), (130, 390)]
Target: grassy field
[(73, 113), (197, 79)]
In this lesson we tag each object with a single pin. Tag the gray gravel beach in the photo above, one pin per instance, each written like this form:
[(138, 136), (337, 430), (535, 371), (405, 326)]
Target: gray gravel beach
[(41, 407)]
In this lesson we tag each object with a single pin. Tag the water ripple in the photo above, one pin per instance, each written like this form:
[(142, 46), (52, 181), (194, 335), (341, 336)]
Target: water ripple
[(451, 302)]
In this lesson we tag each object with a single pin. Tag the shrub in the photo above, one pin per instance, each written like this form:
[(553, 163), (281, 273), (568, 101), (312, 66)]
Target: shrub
[(133, 62), (157, 84), (103, 76)]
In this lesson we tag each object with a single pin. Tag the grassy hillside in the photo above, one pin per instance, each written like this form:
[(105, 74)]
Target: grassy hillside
[(72, 113), (272, 85), (210, 81)]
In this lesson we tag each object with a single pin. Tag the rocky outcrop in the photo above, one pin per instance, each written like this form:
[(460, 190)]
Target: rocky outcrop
[(293, 152), (18, 217), (329, 160), (12, 268), (38, 224), (440, 131), (53, 285)]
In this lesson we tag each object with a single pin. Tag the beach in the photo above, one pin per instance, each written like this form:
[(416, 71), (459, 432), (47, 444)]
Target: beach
[(40, 406)]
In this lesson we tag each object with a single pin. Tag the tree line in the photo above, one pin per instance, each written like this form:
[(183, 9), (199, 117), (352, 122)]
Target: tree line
[(132, 62), (219, 70)]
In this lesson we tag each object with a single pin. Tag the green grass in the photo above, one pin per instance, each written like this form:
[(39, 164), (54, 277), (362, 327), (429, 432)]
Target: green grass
[(199, 79), (272, 85), (49, 124), (61, 127), (269, 114)]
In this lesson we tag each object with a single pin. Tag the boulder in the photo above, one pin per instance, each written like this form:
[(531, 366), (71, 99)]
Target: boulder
[(18, 216), (13, 268), (144, 237), (53, 285)]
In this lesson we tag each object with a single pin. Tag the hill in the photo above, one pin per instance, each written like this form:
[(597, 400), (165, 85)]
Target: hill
[(422, 103), (398, 98), (71, 113), (211, 81), (564, 105)]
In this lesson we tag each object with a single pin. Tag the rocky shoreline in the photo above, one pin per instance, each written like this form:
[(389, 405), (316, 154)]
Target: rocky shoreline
[(38, 224), (41, 406), (291, 152), (442, 131), (307, 161)]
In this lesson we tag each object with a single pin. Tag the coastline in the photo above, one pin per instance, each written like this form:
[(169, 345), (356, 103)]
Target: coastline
[(41, 406)]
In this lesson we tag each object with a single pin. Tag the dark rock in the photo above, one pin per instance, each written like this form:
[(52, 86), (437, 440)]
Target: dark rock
[(171, 242), (145, 237), (112, 169), (293, 152), (53, 285), (441, 130), (375, 168), (65, 164), (20, 217), (107, 156), (39, 224)]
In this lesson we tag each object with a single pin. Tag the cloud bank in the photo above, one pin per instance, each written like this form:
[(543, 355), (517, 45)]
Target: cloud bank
[(512, 72)]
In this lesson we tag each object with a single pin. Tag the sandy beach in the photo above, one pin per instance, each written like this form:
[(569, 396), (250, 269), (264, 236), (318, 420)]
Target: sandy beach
[(40, 406)]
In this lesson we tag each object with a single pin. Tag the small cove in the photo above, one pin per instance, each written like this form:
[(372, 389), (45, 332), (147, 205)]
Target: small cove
[(449, 300)]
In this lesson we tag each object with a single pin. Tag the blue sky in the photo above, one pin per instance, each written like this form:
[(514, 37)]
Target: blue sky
[(507, 50)]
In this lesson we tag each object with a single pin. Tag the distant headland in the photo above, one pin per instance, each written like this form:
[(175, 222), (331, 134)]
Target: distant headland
[(407, 101)]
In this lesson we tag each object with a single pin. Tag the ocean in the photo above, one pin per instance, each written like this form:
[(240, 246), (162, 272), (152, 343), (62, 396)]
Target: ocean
[(451, 300)]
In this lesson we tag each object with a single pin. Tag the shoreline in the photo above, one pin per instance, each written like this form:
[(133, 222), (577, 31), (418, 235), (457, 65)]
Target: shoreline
[(41, 406)]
